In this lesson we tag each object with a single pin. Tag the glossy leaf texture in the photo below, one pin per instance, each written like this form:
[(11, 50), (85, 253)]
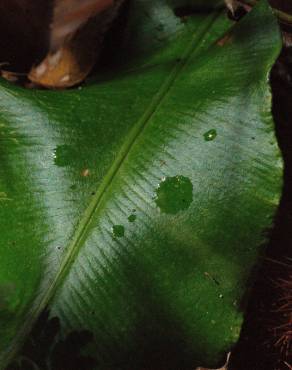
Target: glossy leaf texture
[(136, 205)]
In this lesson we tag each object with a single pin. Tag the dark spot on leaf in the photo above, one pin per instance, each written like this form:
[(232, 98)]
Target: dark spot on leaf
[(174, 194), (118, 231), (132, 218), (211, 277)]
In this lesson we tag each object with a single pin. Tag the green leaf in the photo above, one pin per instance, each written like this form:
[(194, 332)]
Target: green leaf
[(135, 206)]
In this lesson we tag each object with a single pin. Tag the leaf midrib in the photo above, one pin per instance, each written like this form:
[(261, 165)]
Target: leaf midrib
[(81, 232)]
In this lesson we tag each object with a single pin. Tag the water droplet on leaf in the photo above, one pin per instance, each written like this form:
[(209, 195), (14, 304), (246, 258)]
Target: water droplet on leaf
[(174, 194), (62, 155), (210, 135), (132, 218)]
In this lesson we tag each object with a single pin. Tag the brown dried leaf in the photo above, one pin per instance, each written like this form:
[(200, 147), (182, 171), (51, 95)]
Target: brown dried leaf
[(70, 15), (76, 35), (55, 41)]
